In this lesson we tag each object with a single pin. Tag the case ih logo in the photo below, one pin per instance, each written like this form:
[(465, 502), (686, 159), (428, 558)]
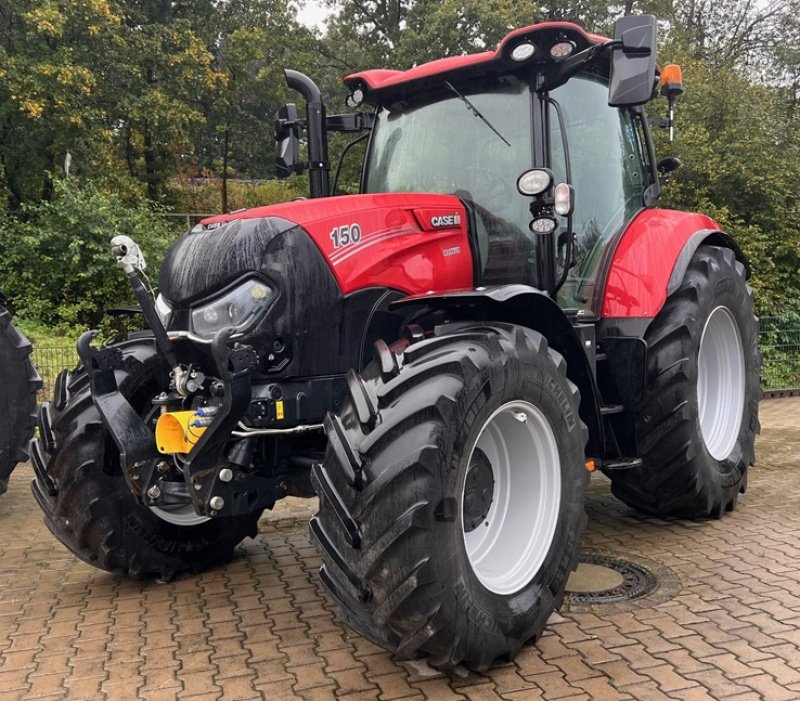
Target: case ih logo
[(444, 221)]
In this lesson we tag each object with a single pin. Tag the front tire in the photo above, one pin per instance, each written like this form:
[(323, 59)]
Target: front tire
[(460, 462), (697, 422), (86, 502)]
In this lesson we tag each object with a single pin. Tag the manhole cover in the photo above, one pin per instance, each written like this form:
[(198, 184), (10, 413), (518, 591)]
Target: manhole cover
[(601, 578)]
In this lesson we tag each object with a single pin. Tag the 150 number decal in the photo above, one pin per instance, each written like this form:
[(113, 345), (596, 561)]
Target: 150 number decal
[(345, 235)]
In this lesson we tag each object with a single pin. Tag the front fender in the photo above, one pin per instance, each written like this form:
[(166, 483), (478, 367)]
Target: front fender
[(530, 307)]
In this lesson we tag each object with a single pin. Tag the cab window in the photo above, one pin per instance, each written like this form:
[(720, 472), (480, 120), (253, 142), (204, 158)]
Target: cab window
[(608, 174)]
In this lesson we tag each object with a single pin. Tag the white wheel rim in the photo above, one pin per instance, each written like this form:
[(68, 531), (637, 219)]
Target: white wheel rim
[(184, 515), (720, 383), (509, 547)]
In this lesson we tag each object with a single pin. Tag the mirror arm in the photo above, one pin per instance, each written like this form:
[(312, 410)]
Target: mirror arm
[(346, 123), (563, 70)]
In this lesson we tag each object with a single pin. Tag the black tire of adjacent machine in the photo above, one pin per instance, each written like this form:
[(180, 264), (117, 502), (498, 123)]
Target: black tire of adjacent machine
[(86, 501), (18, 384), (452, 494), (697, 421)]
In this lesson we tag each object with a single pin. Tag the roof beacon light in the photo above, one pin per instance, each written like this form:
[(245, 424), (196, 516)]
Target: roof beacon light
[(562, 49), (562, 200), (671, 80), (523, 51), (672, 87), (534, 182)]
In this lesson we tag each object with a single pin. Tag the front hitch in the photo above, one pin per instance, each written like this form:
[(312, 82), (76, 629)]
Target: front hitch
[(207, 459), (215, 482), (133, 438)]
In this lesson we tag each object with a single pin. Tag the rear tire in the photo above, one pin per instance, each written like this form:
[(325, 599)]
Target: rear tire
[(460, 462), (19, 382), (697, 423), (86, 501)]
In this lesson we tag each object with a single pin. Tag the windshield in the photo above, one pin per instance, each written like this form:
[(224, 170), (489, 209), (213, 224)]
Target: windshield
[(444, 147)]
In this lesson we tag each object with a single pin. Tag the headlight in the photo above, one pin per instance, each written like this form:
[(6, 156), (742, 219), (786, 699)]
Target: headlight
[(534, 182), (237, 308), (163, 310)]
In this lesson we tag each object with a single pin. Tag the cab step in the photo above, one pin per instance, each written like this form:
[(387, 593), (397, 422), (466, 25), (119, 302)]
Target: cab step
[(621, 464)]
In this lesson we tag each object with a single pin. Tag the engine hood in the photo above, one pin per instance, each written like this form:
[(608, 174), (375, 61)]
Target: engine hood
[(333, 266), (205, 260), (307, 212), (412, 242)]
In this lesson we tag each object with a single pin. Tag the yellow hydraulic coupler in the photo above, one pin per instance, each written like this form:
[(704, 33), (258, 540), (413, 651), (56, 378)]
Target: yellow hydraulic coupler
[(178, 431)]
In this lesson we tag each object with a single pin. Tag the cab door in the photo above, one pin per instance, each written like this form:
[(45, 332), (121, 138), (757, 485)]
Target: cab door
[(609, 175)]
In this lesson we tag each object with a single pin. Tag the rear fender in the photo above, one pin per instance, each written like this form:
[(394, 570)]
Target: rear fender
[(651, 258), (529, 307)]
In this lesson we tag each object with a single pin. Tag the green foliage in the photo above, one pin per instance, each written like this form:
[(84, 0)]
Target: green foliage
[(50, 82), (201, 196), (739, 148), (57, 266)]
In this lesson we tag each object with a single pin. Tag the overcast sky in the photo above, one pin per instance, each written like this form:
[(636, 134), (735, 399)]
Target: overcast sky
[(312, 13)]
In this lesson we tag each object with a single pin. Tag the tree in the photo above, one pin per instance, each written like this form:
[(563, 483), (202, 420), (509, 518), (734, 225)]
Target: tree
[(238, 135), (163, 74), (50, 76)]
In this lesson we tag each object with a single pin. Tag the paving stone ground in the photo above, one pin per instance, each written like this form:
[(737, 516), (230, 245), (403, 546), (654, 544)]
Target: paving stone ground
[(262, 628)]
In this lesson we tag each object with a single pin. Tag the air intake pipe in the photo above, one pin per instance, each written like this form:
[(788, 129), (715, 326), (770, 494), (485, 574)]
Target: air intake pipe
[(318, 167)]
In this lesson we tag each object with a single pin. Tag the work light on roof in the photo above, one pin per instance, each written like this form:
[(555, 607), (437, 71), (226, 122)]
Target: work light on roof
[(522, 51), (562, 48), (355, 98)]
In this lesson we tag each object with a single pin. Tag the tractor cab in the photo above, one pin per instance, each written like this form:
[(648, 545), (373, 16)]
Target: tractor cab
[(552, 110)]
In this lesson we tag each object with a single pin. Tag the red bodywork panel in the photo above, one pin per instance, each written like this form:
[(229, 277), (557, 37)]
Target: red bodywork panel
[(637, 280), (414, 243), (418, 243), (380, 79)]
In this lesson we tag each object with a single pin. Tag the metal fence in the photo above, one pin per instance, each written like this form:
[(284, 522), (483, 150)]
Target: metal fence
[(51, 359), (779, 341)]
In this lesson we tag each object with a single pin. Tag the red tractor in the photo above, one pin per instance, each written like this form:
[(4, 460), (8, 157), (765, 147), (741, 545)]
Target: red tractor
[(501, 311)]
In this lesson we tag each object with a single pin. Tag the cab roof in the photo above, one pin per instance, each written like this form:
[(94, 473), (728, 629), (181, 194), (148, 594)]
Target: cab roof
[(382, 84)]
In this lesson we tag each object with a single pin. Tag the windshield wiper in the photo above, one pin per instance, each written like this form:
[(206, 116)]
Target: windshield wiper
[(475, 111)]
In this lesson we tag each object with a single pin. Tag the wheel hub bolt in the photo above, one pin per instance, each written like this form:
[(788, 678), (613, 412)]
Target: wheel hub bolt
[(225, 474), (154, 492), (216, 503)]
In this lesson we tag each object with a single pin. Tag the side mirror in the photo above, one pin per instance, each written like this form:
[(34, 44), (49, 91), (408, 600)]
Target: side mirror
[(667, 166), (633, 61), (287, 141)]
